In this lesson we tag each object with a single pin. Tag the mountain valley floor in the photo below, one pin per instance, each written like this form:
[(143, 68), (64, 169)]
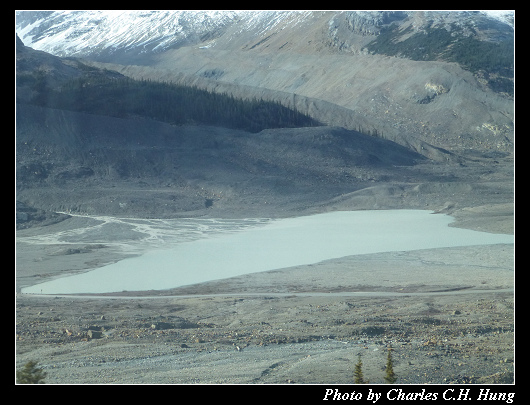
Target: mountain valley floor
[(447, 313)]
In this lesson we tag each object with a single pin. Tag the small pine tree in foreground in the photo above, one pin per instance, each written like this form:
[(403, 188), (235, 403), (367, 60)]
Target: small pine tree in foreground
[(390, 376), (30, 374), (358, 373)]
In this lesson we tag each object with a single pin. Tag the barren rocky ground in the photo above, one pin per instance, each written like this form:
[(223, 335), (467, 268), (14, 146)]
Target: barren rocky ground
[(447, 313), (267, 338), (402, 134)]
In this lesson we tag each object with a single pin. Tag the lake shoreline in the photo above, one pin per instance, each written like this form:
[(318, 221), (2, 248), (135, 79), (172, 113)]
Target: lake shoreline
[(314, 239), (464, 335)]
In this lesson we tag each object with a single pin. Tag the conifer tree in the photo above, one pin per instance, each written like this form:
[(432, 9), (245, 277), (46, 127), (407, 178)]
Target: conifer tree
[(30, 374), (358, 373), (390, 376)]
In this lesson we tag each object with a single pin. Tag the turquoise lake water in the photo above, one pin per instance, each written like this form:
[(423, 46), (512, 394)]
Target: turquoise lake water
[(272, 244)]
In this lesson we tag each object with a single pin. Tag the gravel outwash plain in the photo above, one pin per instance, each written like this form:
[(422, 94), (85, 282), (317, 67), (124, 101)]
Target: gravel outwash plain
[(255, 328), (397, 134), (447, 313)]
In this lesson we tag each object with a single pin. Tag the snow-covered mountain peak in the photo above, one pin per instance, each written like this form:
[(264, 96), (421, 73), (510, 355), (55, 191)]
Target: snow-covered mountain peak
[(100, 34), (505, 16), (79, 32)]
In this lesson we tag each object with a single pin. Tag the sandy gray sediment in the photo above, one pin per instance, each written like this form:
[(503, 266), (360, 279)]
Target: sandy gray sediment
[(265, 339), (459, 330), (447, 313)]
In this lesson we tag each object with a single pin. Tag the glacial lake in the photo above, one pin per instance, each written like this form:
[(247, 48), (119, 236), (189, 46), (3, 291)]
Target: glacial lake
[(269, 245)]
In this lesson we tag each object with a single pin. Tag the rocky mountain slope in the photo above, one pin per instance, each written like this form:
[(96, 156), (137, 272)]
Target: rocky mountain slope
[(400, 132), (82, 161), (109, 34), (404, 131), (417, 78)]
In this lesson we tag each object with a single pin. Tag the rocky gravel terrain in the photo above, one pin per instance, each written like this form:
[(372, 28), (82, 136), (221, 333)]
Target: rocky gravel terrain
[(269, 339), (448, 314), (398, 134), (298, 325)]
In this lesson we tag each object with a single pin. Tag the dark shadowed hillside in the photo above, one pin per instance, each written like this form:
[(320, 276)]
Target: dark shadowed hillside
[(441, 79), (92, 163), (241, 147), (263, 122), (167, 102)]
